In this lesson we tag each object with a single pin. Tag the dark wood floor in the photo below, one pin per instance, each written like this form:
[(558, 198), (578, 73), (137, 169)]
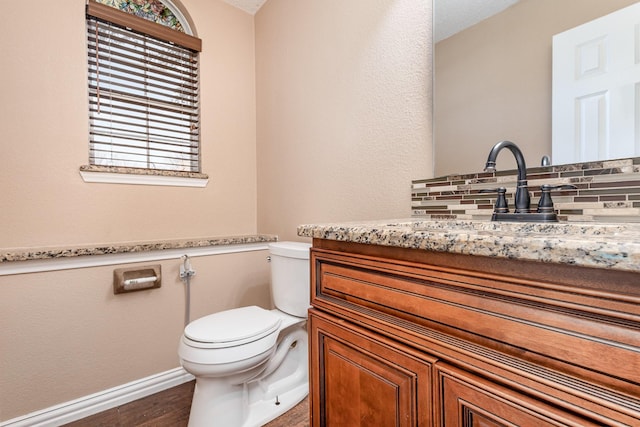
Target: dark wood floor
[(170, 408)]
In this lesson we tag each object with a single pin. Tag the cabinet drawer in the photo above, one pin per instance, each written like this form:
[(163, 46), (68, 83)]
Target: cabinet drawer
[(470, 401)]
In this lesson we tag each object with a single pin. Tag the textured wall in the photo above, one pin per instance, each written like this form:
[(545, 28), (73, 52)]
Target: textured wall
[(344, 124), (44, 116), (343, 107), (64, 335)]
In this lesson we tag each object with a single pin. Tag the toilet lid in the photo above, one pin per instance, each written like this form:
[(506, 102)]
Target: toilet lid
[(233, 327)]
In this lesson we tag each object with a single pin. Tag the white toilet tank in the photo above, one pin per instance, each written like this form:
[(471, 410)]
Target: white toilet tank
[(290, 277)]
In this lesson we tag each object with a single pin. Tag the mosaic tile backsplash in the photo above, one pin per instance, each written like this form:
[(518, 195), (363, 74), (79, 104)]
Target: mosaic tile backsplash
[(606, 191)]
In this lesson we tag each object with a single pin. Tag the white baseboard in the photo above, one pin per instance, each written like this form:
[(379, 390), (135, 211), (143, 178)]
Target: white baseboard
[(101, 401)]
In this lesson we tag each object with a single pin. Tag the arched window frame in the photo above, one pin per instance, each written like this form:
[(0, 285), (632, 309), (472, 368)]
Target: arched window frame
[(119, 170)]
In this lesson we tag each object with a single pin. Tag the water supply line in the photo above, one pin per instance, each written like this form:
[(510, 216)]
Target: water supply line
[(185, 275)]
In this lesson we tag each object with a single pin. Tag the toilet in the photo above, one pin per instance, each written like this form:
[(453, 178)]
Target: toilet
[(251, 364)]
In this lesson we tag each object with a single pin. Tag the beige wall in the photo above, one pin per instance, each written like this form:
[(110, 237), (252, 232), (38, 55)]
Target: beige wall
[(343, 101), (493, 82), (44, 112), (343, 113), (64, 335)]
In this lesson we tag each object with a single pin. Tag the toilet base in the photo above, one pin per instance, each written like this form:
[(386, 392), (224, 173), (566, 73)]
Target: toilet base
[(220, 402), (267, 410)]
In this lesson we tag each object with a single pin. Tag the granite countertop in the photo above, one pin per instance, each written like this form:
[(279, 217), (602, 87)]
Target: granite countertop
[(599, 245), (27, 254)]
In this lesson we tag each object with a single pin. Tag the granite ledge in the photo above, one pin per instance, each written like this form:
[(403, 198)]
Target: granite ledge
[(142, 171), (614, 246), (29, 254)]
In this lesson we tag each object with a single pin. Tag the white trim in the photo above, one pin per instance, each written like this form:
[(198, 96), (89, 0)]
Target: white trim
[(125, 178), (55, 264), (92, 404)]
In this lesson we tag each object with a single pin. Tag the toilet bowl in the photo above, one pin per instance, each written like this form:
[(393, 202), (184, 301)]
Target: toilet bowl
[(251, 364)]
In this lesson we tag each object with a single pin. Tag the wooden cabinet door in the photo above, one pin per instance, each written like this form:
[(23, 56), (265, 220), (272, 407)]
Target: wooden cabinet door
[(361, 379), (469, 401)]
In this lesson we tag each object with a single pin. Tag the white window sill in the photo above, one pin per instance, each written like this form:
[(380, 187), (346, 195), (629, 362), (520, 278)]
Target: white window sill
[(95, 174)]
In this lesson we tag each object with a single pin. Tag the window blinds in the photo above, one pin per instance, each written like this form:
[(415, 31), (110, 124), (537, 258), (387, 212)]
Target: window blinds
[(143, 100)]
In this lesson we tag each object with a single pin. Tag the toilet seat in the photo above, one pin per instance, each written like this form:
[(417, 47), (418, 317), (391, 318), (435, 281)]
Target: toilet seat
[(232, 328)]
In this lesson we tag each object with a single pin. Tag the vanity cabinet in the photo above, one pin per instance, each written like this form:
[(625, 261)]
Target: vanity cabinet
[(408, 337)]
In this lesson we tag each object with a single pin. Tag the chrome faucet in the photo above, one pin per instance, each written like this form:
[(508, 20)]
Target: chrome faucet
[(522, 190)]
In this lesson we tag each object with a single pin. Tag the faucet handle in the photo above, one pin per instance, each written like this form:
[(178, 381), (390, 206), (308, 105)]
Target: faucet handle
[(545, 205), (501, 205)]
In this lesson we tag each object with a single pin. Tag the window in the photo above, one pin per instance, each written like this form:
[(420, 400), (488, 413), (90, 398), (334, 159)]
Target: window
[(143, 88)]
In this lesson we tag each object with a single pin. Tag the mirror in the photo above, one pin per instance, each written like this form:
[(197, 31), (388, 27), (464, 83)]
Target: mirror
[(493, 79)]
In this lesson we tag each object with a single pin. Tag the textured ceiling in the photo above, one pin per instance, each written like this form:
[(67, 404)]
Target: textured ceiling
[(249, 6), (452, 16)]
